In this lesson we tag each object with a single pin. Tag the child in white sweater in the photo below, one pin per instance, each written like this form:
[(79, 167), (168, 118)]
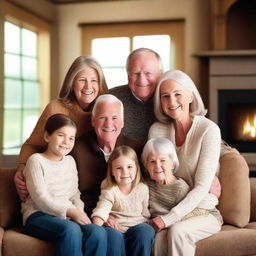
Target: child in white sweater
[(54, 211), (125, 197)]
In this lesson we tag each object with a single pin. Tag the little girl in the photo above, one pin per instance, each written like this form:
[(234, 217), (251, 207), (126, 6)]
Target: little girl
[(54, 211), (125, 197), (166, 190)]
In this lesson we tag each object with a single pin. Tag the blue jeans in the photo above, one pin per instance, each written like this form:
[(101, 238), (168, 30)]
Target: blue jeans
[(70, 238), (136, 241)]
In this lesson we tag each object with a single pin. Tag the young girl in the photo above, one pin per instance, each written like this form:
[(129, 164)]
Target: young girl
[(124, 196), (54, 211), (165, 190)]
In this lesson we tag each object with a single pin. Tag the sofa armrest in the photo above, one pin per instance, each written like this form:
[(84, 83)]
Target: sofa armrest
[(9, 200)]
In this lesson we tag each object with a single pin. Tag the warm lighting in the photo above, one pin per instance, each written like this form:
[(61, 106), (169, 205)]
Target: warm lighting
[(249, 127)]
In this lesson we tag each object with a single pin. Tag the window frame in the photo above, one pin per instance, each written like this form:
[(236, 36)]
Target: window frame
[(174, 28), (28, 20)]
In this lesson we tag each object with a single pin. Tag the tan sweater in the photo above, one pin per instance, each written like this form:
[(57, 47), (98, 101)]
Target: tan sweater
[(36, 144), (199, 162), (163, 197), (52, 186), (129, 210)]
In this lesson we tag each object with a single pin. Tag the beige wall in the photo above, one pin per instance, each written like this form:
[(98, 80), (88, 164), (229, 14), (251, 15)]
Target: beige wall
[(66, 45), (43, 8), (195, 12)]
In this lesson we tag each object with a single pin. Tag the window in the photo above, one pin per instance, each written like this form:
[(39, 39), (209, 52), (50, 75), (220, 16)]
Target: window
[(110, 44), (25, 84), (21, 86), (113, 60)]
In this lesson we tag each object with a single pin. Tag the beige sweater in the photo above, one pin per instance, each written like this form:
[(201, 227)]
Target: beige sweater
[(52, 186), (199, 162), (129, 210)]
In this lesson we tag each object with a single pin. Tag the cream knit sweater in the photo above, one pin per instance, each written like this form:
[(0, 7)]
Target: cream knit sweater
[(129, 210), (52, 186), (199, 161)]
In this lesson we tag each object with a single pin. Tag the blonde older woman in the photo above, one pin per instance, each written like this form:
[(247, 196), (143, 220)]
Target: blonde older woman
[(181, 114)]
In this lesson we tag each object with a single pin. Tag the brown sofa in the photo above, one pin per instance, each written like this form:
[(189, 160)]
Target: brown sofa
[(237, 205)]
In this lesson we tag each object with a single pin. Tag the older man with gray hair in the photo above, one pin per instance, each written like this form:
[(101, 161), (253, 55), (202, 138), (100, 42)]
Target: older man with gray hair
[(91, 153), (92, 150), (144, 69)]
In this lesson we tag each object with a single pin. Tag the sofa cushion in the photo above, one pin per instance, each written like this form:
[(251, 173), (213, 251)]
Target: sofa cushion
[(234, 203), (9, 200), (230, 241), (15, 243)]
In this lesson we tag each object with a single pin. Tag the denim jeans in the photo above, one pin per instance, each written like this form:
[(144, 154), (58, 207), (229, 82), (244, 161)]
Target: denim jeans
[(136, 241), (70, 238)]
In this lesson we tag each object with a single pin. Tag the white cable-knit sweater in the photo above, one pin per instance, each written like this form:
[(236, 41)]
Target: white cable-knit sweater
[(199, 162), (52, 186)]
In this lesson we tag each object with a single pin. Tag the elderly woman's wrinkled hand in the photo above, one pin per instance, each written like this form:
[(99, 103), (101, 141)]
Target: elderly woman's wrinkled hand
[(157, 223)]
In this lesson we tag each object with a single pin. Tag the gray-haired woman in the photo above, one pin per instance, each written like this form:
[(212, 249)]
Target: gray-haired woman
[(181, 114)]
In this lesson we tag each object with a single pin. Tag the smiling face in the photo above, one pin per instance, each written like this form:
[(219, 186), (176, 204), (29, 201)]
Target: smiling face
[(160, 167), (143, 74), (124, 170), (86, 86), (60, 142), (107, 122), (175, 100)]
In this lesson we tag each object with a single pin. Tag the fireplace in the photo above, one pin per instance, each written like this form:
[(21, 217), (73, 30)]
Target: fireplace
[(228, 74), (237, 118), (232, 98)]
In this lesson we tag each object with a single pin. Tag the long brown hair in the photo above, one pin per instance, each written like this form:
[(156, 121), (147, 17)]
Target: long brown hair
[(66, 93)]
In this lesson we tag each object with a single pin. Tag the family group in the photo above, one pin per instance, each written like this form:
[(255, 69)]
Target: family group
[(149, 154)]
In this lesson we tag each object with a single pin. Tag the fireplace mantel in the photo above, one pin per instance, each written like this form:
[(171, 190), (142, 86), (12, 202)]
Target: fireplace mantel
[(230, 70), (226, 53)]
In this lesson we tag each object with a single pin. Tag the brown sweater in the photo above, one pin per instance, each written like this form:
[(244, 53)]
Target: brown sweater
[(36, 144), (92, 166)]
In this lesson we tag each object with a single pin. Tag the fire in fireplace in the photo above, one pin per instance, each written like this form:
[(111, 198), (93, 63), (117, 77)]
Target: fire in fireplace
[(249, 128), (237, 118)]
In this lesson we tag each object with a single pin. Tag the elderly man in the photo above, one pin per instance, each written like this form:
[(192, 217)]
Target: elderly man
[(91, 153), (92, 149), (144, 69)]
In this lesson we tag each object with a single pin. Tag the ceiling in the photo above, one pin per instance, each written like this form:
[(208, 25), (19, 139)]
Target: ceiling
[(78, 1)]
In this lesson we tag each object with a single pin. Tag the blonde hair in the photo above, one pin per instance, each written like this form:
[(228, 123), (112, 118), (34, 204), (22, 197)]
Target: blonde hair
[(66, 93), (196, 106), (160, 146), (127, 152)]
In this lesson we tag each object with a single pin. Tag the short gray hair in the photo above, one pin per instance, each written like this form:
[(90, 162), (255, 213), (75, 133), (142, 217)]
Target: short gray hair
[(108, 98), (196, 106), (143, 50), (160, 146)]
